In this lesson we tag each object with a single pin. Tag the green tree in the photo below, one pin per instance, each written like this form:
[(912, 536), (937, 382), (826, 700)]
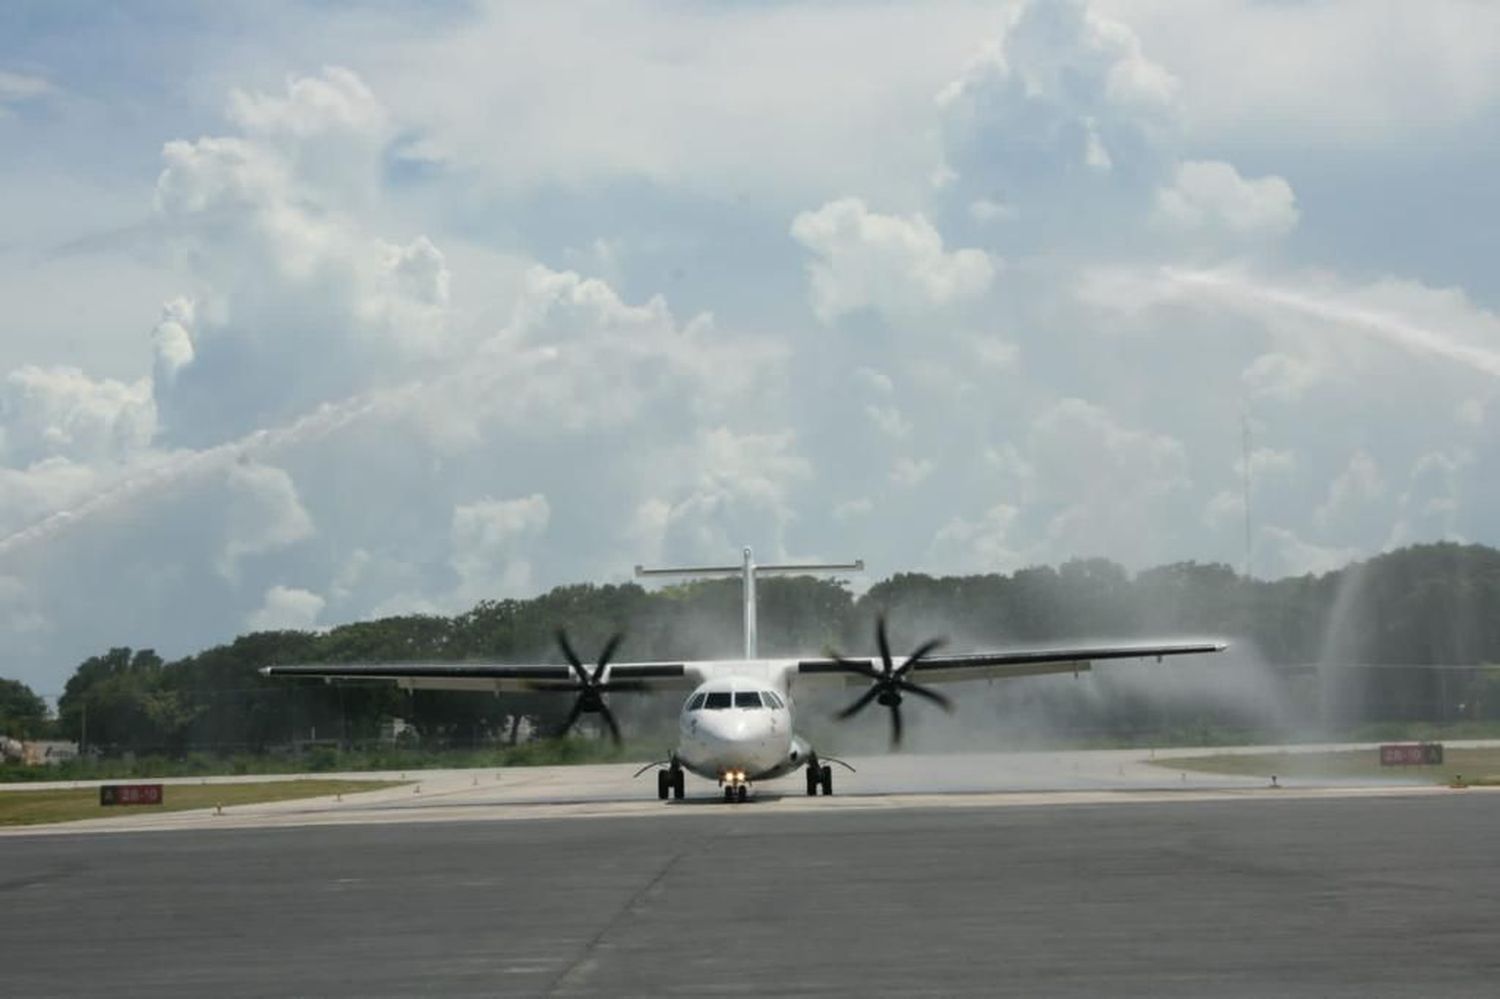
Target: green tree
[(23, 715)]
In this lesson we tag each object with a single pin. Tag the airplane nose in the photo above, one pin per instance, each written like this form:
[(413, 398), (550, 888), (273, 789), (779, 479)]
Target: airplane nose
[(726, 726)]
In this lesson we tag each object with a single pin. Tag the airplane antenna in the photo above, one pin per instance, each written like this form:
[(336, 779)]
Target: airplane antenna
[(747, 570)]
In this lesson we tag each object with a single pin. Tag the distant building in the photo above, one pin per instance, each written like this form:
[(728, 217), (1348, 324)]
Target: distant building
[(47, 752)]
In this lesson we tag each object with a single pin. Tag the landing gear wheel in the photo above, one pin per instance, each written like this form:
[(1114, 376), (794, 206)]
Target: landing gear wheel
[(741, 793), (663, 784), (813, 779), (728, 794), (676, 782), (825, 778)]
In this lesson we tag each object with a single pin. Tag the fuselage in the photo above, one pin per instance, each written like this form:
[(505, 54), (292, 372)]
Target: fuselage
[(739, 727)]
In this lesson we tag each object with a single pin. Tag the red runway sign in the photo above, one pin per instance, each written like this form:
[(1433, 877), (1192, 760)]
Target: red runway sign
[(1411, 754), (130, 794)]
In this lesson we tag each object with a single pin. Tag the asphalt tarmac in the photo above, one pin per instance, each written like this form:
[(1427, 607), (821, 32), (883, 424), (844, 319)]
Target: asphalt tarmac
[(1260, 896)]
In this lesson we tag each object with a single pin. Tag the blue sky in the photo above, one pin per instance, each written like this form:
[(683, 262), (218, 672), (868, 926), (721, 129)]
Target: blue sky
[(316, 312)]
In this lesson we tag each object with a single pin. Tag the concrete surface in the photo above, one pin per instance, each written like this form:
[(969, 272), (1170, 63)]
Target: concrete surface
[(1263, 895)]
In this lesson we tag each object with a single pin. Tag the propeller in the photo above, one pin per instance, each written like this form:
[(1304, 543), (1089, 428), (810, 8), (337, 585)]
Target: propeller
[(890, 682), (591, 687)]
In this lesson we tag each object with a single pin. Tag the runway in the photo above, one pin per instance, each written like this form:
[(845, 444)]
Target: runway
[(1256, 896), (881, 783)]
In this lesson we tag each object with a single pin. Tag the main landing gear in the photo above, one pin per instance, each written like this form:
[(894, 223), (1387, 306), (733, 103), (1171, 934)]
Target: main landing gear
[(669, 781), (819, 776)]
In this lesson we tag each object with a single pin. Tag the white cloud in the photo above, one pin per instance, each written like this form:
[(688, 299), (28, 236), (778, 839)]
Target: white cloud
[(485, 536), (1224, 508), (1281, 376), (1358, 484), (1105, 481), (301, 303), (980, 545), (1293, 556), (1361, 74), (286, 608), (1266, 461), (909, 472), (263, 513), (714, 494), (889, 421), (1430, 505), (22, 88), (853, 509), (894, 265), (61, 412), (172, 340), (1211, 195), (1064, 100)]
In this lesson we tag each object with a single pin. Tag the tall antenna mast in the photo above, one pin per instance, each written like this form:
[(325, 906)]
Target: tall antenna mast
[(747, 570), (1245, 480)]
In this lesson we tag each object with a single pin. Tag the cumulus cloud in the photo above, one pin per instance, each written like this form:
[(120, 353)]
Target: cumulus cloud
[(894, 265), (303, 304), (61, 412), (286, 608), (484, 535), (1104, 479), (1211, 195), (984, 544), (723, 488), (1359, 483), (1291, 555), (263, 513), (172, 341), (387, 286), (1065, 100)]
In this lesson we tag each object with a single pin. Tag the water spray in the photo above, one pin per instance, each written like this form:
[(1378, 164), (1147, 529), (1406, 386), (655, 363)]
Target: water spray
[(1391, 327)]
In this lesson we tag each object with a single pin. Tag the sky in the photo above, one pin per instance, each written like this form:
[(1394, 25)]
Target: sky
[(316, 312)]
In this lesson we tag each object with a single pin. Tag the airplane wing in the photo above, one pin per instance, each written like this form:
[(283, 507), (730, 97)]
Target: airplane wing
[(486, 676), (1000, 665)]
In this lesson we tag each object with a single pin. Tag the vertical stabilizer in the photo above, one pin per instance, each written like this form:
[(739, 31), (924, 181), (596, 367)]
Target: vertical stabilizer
[(747, 570)]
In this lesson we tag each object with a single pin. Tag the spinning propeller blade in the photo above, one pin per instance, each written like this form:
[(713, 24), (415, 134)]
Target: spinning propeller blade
[(889, 683)]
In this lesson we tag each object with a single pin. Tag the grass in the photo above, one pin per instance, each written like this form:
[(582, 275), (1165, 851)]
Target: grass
[(1477, 766), (22, 808), (327, 759)]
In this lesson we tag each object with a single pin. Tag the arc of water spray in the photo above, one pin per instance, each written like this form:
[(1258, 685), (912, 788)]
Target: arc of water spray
[(1391, 327), (178, 467)]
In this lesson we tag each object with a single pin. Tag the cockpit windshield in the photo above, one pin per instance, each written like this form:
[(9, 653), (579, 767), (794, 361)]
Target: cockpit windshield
[(747, 699), (717, 700)]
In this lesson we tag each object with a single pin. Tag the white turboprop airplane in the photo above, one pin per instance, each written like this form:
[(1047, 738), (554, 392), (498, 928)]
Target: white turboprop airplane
[(737, 725)]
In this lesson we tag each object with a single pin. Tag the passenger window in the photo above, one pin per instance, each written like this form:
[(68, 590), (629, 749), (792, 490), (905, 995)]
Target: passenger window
[(717, 701), (747, 699), (696, 702)]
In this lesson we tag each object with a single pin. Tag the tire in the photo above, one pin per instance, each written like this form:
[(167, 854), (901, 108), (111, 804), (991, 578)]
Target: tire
[(825, 778), (741, 793), (677, 784), (812, 781), (663, 784), (728, 795)]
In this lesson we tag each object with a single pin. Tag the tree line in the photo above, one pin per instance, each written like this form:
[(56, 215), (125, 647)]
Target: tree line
[(1417, 606)]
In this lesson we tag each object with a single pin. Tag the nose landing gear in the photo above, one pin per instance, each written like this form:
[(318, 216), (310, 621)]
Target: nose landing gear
[(736, 787)]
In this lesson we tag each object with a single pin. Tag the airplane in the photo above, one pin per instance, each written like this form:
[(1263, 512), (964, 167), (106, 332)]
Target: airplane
[(737, 725)]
